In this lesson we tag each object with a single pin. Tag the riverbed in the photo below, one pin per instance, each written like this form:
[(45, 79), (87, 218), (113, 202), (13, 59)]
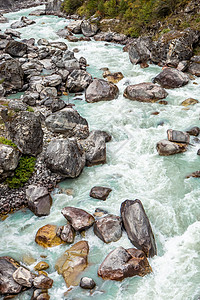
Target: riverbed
[(134, 170)]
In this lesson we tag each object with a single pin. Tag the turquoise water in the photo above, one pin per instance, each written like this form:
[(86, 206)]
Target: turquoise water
[(133, 170)]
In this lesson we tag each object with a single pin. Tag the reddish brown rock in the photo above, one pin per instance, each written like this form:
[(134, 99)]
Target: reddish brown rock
[(78, 218), (100, 192)]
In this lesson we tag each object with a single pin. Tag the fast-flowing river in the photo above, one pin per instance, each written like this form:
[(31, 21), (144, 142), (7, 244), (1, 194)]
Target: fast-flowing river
[(134, 170)]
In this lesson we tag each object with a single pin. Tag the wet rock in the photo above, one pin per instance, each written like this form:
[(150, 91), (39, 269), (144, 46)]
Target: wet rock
[(178, 136), (122, 263), (46, 236), (38, 12), (88, 29), (57, 104), (9, 158), (7, 284), (87, 283), (189, 101), (24, 21), (3, 19), (78, 81), (165, 148), (145, 92), (75, 26), (69, 123), (113, 77), (78, 218), (13, 75), (137, 226), (12, 32), (25, 131), (198, 152), (23, 277), (66, 233), (194, 66), (95, 149), (40, 294), (65, 157), (101, 90), (140, 50), (108, 228), (42, 265), (171, 78), (42, 282), (193, 131), (63, 33), (100, 192), (195, 174), (39, 200), (73, 262)]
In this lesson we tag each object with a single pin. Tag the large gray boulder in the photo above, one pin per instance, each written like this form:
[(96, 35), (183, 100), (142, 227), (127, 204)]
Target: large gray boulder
[(65, 157), (194, 66), (68, 122), (39, 200), (12, 73), (171, 78), (78, 81), (140, 50), (165, 147), (78, 218), (16, 49), (53, 6), (121, 263), (24, 21), (9, 158), (108, 228), (145, 92), (7, 283), (88, 29), (25, 130), (101, 90), (95, 149), (75, 26), (137, 226)]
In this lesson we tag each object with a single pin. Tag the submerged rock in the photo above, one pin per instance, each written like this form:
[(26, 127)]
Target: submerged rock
[(165, 147), (189, 101), (121, 263), (39, 200), (7, 283), (46, 236), (73, 262), (145, 92), (87, 283), (137, 226), (171, 78), (100, 192), (108, 228), (101, 90), (65, 157), (78, 218)]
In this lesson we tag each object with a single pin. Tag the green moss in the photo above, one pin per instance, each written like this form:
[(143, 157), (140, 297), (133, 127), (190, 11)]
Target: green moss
[(23, 172), (30, 109), (5, 141)]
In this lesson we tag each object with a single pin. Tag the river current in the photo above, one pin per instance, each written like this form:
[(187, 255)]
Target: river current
[(134, 170)]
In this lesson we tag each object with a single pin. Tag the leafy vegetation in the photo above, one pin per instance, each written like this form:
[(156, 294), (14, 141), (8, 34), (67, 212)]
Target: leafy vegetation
[(23, 172), (30, 109), (5, 141)]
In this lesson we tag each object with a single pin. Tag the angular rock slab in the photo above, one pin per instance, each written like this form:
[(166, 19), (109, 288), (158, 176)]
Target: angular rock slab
[(78, 218), (171, 78), (137, 226), (122, 263), (66, 233), (9, 158), (101, 90), (39, 200), (7, 284), (165, 148), (108, 228), (88, 29), (42, 282), (178, 136), (73, 262), (16, 49), (23, 277), (46, 236), (65, 157), (145, 92), (78, 80), (100, 192), (68, 122)]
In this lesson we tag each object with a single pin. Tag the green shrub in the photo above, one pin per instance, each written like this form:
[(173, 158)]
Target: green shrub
[(5, 141), (23, 172), (30, 109), (70, 6)]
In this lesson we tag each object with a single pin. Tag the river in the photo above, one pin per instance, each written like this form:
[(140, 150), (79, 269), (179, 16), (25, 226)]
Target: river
[(134, 170)]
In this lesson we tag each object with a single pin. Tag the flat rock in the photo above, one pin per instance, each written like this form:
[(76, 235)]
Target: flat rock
[(137, 226), (46, 236), (145, 92), (100, 192), (108, 228), (42, 282), (165, 147), (23, 277), (73, 262), (78, 218), (101, 90), (121, 263), (178, 136), (171, 78)]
